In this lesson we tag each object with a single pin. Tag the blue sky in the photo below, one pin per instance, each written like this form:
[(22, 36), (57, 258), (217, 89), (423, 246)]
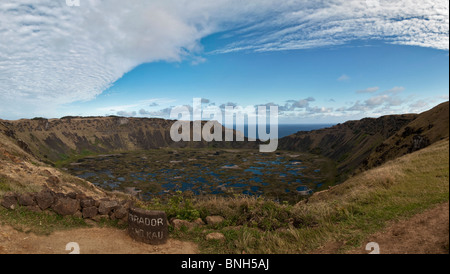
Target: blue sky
[(318, 62), (335, 77)]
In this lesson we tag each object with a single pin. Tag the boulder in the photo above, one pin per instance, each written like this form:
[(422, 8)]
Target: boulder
[(81, 196), (9, 201), (120, 213), (78, 214), (87, 203), (127, 204), (106, 207), (178, 224), (66, 206), (214, 220), (89, 212), (215, 236), (199, 222), (44, 199), (26, 199)]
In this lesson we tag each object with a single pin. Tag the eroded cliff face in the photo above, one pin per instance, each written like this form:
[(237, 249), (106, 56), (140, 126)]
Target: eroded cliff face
[(350, 143), (22, 172), (57, 139), (429, 127), (363, 144)]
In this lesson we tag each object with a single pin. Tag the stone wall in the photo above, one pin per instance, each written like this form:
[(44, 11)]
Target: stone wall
[(70, 204)]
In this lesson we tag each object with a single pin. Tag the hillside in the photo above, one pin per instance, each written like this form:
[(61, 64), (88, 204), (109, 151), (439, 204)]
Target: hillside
[(58, 139), (350, 143), (359, 145), (428, 128), (22, 172)]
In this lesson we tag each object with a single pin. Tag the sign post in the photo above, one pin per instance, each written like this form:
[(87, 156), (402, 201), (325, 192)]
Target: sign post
[(146, 226)]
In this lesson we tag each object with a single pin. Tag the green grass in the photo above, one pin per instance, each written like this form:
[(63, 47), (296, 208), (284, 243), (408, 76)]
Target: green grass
[(9, 185), (41, 223), (64, 159)]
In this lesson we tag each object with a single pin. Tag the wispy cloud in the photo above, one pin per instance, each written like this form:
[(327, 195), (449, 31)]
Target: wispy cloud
[(310, 24), (368, 90), (52, 54), (384, 100), (343, 78), (129, 107), (394, 90)]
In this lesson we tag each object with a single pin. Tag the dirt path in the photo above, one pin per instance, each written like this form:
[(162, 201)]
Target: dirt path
[(425, 233), (90, 241)]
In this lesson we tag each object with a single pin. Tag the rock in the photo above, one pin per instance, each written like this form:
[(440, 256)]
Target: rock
[(26, 199), (215, 236), (178, 224), (127, 204), (81, 196), (60, 195), (418, 143), (78, 214), (120, 213), (199, 221), (72, 195), (66, 206), (107, 207), (111, 216), (89, 212), (214, 220), (9, 201), (44, 199), (146, 226), (87, 203)]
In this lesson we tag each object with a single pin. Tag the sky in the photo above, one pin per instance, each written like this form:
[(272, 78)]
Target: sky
[(317, 61)]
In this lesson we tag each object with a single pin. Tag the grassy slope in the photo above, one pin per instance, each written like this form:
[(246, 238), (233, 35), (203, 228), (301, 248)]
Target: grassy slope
[(346, 214), (21, 172)]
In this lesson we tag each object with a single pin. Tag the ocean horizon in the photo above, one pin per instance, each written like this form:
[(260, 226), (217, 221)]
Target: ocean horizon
[(286, 129)]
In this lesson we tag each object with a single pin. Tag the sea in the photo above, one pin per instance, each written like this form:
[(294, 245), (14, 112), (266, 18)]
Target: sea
[(287, 129)]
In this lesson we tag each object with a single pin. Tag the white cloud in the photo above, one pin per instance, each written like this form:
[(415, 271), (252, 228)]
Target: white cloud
[(385, 102), (394, 90), (309, 24), (368, 90), (343, 78), (52, 54), (126, 113)]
